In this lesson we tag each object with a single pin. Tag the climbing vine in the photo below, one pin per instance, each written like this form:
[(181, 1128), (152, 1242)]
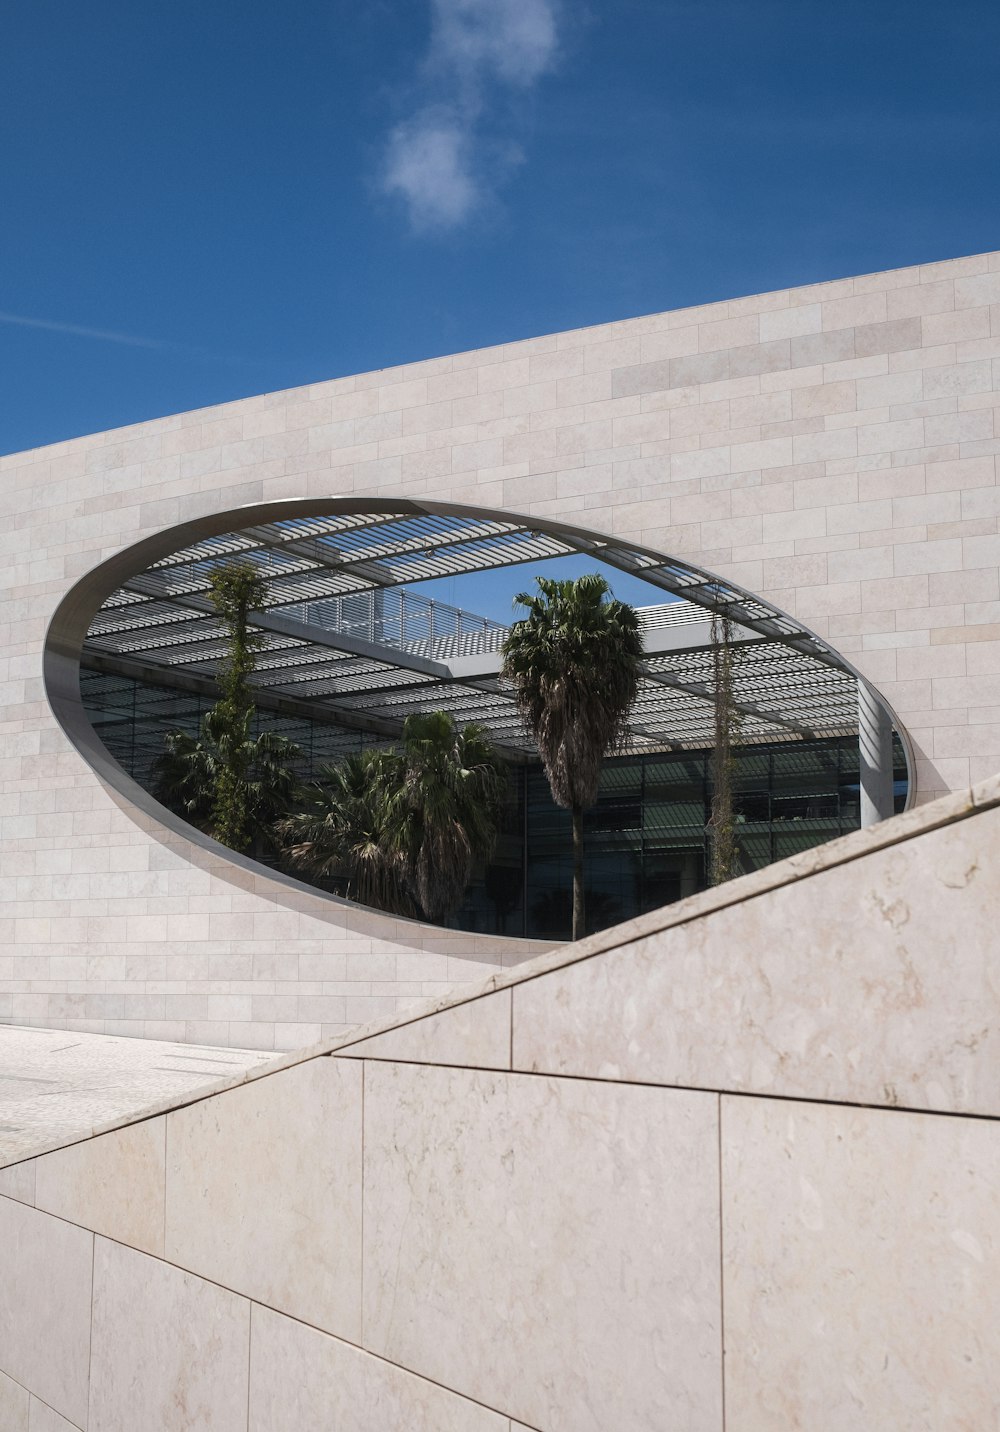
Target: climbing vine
[(724, 855), (237, 590)]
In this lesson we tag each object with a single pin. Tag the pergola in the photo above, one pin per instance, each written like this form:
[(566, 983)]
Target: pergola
[(346, 640)]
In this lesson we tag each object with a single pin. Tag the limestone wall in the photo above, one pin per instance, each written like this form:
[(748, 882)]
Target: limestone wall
[(735, 1165), (831, 447)]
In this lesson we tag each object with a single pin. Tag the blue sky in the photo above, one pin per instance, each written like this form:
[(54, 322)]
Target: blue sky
[(491, 593), (204, 201)]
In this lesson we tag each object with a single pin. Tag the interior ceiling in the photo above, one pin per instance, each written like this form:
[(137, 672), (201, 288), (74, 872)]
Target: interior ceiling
[(341, 634)]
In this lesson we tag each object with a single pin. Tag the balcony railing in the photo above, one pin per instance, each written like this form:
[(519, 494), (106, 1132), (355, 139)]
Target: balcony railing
[(408, 621), (404, 620)]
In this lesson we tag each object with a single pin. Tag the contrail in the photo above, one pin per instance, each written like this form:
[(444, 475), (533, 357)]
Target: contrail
[(107, 335), (20, 321)]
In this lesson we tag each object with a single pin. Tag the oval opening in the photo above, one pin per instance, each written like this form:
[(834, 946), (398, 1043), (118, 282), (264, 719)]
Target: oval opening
[(377, 610)]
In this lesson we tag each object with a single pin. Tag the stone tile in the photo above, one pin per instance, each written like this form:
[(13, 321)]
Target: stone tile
[(921, 298), (640, 378), (981, 289), (169, 1350), (891, 1001), (113, 1184), (965, 326), (860, 1258), (830, 347), (66, 1086), (18, 1181), (13, 1405), (264, 1192), (791, 322), (891, 337), (475, 1034), (302, 1379), (728, 333), (825, 398), (45, 1295), (748, 362), (958, 379), (859, 308), (698, 368), (44, 1419), (575, 1294)]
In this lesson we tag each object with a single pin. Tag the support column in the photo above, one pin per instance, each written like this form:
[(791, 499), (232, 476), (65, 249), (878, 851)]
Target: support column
[(875, 748)]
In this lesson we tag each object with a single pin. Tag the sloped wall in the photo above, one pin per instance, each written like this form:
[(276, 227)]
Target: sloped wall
[(735, 1165), (832, 447)]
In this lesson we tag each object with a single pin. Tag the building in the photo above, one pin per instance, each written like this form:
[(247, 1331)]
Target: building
[(823, 456), (732, 1163)]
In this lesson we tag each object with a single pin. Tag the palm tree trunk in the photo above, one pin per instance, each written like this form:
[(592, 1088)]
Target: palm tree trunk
[(579, 913)]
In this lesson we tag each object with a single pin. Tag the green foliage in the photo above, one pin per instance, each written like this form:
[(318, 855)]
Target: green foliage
[(225, 781), (188, 774), (405, 824), (574, 663), (237, 590), (184, 776), (724, 852), (350, 828), (452, 793)]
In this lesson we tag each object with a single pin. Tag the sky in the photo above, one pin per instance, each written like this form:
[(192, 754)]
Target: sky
[(200, 202), (492, 593)]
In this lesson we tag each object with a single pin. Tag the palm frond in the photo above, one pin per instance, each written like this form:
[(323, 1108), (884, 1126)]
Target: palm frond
[(573, 662), (403, 827), (348, 829), (191, 771)]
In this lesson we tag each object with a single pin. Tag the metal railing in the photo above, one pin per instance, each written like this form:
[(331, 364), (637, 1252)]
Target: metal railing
[(408, 621), (405, 620)]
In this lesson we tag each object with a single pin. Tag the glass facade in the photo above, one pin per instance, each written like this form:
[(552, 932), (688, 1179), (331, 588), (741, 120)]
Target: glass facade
[(133, 717), (646, 842)]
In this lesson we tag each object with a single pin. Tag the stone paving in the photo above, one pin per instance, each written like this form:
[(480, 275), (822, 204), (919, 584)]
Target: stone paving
[(57, 1086)]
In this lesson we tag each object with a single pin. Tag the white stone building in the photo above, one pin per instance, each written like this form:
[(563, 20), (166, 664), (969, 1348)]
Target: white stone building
[(831, 449), (730, 1166)]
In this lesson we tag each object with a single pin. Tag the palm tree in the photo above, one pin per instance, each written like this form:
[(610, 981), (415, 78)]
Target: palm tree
[(184, 776), (574, 663), (452, 795), (405, 825), (228, 783), (188, 775), (352, 827)]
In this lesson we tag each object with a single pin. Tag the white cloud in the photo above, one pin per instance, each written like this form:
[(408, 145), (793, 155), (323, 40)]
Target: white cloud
[(513, 39), (443, 161), (429, 165)]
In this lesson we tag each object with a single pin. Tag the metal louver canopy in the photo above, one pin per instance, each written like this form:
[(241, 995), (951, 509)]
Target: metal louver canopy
[(343, 633)]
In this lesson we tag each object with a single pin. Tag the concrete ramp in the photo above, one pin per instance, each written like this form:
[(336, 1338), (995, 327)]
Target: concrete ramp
[(734, 1167)]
